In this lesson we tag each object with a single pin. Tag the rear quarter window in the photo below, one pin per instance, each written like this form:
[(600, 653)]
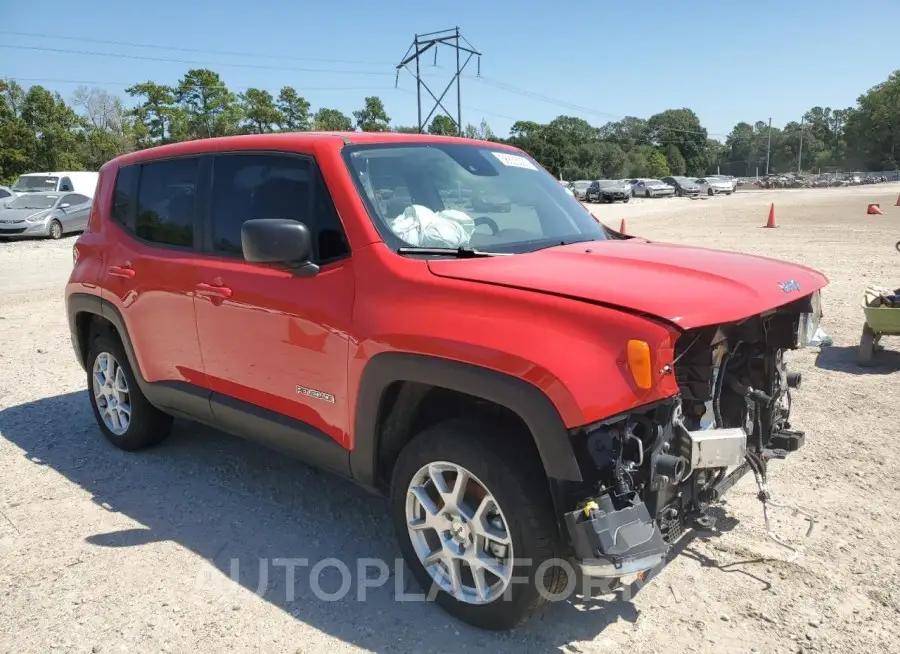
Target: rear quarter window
[(125, 196)]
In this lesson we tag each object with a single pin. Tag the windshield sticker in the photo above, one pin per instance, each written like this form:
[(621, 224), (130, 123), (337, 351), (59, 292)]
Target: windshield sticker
[(514, 160)]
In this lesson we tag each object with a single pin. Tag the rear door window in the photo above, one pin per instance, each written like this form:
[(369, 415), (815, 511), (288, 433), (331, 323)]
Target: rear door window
[(167, 201)]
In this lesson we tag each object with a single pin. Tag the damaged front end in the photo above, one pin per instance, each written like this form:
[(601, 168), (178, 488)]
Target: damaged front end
[(653, 472)]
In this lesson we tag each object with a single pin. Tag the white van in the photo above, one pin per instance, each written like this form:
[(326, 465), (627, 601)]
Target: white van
[(75, 181)]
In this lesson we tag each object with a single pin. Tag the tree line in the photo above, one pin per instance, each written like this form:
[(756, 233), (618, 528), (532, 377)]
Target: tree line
[(40, 130)]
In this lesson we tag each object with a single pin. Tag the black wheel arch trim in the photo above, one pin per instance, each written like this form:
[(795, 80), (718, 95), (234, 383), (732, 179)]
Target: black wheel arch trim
[(527, 401), (175, 397)]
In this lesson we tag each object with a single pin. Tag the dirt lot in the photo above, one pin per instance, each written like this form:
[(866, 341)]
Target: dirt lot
[(106, 551)]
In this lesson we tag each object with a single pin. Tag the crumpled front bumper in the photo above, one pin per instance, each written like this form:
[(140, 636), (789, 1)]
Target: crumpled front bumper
[(618, 533)]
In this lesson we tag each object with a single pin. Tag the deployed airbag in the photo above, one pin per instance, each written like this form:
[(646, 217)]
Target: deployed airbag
[(420, 226)]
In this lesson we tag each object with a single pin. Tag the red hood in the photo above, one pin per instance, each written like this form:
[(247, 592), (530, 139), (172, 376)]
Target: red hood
[(688, 286)]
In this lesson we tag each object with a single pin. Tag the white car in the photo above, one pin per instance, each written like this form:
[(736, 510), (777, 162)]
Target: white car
[(82, 182), (728, 178), (714, 185), (650, 188)]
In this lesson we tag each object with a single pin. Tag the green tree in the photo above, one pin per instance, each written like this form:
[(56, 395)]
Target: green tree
[(404, 129), (294, 111), (210, 109), (18, 142), (483, 132), (442, 125), (675, 160), (260, 113), (54, 125), (681, 128), (331, 120), (657, 165), (155, 111), (873, 129), (372, 117)]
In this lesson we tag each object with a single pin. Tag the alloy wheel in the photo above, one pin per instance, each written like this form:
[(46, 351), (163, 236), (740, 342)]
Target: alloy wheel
[(459, 533), (111, 393)]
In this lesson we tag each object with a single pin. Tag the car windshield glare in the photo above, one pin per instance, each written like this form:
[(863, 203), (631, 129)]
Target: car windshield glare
[(35, 183), (456, 195), (33, 202)]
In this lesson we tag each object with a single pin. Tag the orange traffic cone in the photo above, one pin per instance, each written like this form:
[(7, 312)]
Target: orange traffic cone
[(898, 201), (874, 210), (622, 227), (771, 222)]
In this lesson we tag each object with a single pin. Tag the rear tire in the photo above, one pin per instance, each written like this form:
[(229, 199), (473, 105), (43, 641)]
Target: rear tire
[(516, 486), (125, 416), (710, 192)]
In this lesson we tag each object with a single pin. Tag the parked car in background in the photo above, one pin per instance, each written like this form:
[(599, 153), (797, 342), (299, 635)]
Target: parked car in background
[(6, 195), (78, 181), (44, 214), (491, 202), (580, 188), (715, 186), (608, 190), (727, 178), (650, 188), (684, 186)]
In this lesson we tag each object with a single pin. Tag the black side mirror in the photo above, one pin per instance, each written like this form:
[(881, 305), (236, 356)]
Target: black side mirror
[(277, 240)]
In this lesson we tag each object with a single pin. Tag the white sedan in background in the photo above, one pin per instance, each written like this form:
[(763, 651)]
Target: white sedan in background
[(650, 188), (715, 185)]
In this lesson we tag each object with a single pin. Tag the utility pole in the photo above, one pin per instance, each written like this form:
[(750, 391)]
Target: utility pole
[(800, 149), (769, 146), (422, 43)]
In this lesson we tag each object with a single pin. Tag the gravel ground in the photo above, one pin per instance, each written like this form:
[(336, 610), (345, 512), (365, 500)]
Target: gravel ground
[(101, 550)]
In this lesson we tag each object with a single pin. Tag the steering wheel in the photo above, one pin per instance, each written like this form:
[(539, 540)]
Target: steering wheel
[(490, 222)]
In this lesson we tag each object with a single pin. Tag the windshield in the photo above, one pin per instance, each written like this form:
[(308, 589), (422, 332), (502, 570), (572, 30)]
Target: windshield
[(35, 183), (33, 202), (651, 182), (459, 195), (607, 183), (581, 186)]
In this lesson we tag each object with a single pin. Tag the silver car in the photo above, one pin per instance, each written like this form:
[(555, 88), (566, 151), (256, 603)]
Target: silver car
[(715, 186), (651, 188), (580, 187), (7, 195), (44, 214)]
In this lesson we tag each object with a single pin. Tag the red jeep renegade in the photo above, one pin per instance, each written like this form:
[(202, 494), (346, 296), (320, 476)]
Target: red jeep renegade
[(437, 319)]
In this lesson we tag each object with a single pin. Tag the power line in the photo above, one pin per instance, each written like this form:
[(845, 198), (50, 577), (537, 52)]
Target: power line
[(509, 88), (568, 105), (194, 63), (47, 80), (156, 46)]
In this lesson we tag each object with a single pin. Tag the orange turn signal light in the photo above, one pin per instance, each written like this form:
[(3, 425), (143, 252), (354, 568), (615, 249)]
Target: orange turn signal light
[(640, 364)]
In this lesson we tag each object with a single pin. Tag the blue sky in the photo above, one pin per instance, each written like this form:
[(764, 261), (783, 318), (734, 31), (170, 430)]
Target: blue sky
[(727, 61)]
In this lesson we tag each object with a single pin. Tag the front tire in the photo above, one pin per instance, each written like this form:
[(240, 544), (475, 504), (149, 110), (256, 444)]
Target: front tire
[(125, 416), (55, 230), (710, 192), (474, 519)]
